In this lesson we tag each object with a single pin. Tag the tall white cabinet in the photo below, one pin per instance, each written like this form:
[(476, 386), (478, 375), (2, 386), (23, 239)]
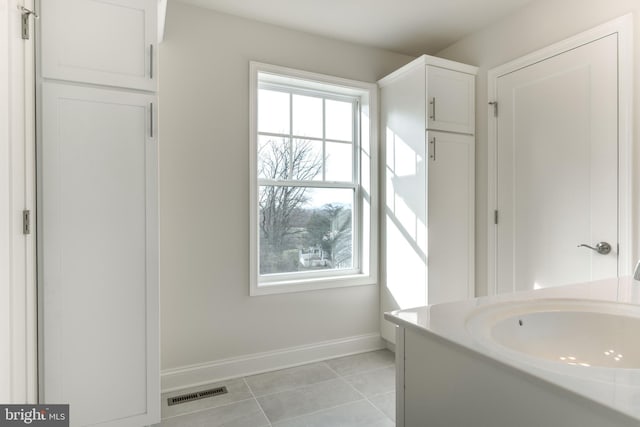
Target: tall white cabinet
[(427, 127), (98, 214)]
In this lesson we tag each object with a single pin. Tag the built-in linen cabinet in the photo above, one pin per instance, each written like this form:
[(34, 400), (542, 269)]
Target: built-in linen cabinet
[(98, 211), (427, 119)]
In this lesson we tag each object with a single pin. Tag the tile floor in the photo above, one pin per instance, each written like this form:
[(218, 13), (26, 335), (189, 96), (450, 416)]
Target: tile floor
[(356, 391)]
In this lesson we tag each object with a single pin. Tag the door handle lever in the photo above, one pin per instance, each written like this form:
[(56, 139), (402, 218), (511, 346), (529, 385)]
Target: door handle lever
[(602, 248)]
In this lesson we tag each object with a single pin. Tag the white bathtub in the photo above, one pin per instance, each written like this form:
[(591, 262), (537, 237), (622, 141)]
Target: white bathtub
[(567, 356)]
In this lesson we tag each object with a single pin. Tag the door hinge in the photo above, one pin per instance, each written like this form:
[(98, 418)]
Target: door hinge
[(26, 221), (24, 20), (495, 108), (495, 217)]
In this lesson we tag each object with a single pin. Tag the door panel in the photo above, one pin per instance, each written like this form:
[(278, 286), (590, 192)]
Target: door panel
[(557, 169), (99, 255)]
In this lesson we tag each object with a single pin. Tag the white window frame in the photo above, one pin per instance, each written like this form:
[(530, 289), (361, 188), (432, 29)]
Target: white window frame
[(365, 210)]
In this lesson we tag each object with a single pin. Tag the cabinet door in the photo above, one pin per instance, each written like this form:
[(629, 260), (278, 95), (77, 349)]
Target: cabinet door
[(99, 255), (105, 42), (451, 98), (451, 200)]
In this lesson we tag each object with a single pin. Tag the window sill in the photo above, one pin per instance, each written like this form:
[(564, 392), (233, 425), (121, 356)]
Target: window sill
[(289, 286)]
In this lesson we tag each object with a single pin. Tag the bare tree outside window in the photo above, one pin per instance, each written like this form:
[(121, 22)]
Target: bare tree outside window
[(298, 231)]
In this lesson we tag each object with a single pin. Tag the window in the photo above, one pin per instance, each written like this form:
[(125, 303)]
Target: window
[(312, 192)]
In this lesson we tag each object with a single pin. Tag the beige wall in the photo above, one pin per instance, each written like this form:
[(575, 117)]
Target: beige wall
[(206, 311), (541, 23)]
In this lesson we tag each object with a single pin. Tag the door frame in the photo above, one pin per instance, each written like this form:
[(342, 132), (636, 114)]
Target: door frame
[(623, 27), (18, 307)]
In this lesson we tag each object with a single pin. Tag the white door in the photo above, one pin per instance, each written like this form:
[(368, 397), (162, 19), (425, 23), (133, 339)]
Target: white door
[(105, 42), (451, 203), (99, 255), (557, 174)]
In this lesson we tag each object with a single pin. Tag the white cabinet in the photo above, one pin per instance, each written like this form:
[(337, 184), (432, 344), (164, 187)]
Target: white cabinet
[(105, 42), (429, 191), (100, 317), (451, 98), (98, 211), (451, 216)]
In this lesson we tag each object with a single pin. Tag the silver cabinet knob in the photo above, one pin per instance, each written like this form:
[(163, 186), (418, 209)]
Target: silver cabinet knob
[(602, 248)]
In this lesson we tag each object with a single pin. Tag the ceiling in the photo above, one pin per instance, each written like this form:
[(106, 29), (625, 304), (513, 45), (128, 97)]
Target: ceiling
[(412, 27)]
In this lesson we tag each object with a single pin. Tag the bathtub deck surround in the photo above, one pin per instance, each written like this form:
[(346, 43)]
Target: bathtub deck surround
[(569, 350)]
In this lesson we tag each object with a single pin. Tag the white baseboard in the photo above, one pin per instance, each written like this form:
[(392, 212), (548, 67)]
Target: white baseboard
[(220, 370), (389, 345)]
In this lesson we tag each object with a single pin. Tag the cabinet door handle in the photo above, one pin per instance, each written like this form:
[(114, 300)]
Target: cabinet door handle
[(433, 151), (433, 108), (150, 61), (151, 119)]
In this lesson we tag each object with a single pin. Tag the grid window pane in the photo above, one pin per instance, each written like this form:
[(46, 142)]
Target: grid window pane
[(274, 158), (273, 111), (307, 116), (338, 162), (339, 120), (306, 162), (305, 229)]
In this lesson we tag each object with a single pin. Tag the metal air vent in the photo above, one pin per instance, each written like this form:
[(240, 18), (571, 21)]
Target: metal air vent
[(189, 397)]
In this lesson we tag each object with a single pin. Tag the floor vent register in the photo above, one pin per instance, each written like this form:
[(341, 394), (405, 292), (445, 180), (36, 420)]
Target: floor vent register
[(189, 397)]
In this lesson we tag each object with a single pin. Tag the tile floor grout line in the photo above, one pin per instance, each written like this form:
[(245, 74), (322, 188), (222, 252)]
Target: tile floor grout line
[(361, 372), (367, 372), (366, 398), (323, 410), (344, 378), (332, 370), (378, 409), (349, 384), (207, 409), (353, 387), (298, 387), (383, 393), (257, 402)]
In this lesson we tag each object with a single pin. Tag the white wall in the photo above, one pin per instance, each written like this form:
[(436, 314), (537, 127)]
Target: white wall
[(207, 314), (541, 23)]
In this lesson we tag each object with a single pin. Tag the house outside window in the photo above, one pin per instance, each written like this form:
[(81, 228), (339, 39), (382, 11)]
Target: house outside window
[(313, 176)]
